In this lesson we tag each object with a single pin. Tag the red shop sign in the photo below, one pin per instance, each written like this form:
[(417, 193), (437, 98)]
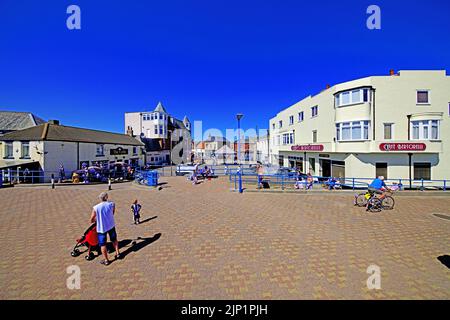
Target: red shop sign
[(309, 147), (403, 146)]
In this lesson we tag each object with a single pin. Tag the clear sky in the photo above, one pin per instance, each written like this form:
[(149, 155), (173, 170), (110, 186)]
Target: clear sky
[(207, 59)]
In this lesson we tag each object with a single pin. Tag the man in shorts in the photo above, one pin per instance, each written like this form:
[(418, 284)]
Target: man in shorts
[(103, 214)]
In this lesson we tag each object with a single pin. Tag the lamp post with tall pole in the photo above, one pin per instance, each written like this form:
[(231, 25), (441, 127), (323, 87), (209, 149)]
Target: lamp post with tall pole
[(239, 117)]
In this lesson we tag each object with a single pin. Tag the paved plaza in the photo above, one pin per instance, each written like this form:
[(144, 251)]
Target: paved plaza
[(205, 242)]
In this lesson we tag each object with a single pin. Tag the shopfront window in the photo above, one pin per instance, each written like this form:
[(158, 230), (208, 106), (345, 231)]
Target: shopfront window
[(425, 130), (422, 170), (355, 130), (100, 150)]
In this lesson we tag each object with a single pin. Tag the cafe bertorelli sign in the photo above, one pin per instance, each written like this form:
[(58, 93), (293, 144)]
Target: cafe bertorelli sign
[(403, 146), (308, 147)]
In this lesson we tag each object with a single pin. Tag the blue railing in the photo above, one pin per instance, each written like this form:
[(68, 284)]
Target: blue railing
[(290, 182)]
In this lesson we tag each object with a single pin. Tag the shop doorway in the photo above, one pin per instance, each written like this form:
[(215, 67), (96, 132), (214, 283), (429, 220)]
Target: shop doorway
[(381, 169), (325, 166), (312, 166)]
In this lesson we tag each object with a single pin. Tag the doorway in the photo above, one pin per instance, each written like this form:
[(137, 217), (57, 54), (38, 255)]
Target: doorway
[(325, 166)]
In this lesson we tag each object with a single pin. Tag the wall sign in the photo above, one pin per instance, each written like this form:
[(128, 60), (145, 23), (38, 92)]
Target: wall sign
[(308, 147), (119, 151), (403, 146)]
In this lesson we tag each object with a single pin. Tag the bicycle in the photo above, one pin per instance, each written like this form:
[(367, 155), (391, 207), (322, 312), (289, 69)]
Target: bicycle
[(364, 200)]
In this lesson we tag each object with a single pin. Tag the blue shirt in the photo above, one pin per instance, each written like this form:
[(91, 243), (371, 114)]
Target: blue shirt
[(105, 216), (377, 184)]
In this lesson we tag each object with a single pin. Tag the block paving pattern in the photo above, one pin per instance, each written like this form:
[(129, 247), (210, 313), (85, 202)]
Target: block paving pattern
[(205, 242)]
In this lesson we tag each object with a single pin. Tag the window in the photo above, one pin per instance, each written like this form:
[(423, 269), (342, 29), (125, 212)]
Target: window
[(25, 150), (100, 150), (273, 126), (280, 124), (352, 97), (356, 130), (422, 97), (425, 130), (301, 116), (288, 138), (381, 170), (422, 170), (314, 136), (161, 116), (291, 120), (134, 150), (9, 150), (161, 130), (145, 117), (156, 129), (388, 134), (314, 111)]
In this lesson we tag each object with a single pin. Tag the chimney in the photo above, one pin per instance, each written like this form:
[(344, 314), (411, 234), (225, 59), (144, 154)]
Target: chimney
[(392, 72), (54, 122), (130, 131), (328, 86)]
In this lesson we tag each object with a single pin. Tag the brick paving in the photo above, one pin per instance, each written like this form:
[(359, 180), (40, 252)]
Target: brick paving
[(205, 242)]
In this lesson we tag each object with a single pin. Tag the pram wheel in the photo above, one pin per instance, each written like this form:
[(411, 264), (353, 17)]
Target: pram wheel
[(75, 253)]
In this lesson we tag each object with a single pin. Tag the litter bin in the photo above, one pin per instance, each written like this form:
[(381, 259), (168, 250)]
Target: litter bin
[(152, 178)]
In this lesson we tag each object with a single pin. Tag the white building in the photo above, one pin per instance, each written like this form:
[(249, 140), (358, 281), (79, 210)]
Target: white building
[(156, 128), (262, 149), (397, 126), (45, 147)]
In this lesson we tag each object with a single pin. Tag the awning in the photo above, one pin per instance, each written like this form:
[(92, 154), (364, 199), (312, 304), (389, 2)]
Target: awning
[(5, 164)]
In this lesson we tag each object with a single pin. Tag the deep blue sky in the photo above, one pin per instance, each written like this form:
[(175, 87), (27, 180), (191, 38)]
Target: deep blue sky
[(207, 59)]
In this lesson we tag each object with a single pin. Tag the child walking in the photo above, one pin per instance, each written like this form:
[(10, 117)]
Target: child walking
[(135, 209)]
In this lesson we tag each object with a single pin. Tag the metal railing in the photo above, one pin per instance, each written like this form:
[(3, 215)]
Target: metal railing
[(284, 182)]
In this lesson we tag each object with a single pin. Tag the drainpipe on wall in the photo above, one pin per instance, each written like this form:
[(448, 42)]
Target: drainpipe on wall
[(373, 114), (409, 154)]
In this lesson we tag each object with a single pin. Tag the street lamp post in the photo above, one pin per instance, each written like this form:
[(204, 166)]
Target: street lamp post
[(239, 117)]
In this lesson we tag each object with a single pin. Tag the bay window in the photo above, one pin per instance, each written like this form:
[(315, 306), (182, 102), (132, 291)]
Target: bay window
[(425, 130), (288, 138), (352, 97), (354, 130)]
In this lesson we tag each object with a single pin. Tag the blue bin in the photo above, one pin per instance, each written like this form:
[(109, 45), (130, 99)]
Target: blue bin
[(152, 178)]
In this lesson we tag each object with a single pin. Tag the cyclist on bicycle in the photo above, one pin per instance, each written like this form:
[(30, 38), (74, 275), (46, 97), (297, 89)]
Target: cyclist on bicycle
[(378, 186)]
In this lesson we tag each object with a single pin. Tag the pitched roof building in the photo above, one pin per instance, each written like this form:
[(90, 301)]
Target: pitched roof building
[(13, 121)]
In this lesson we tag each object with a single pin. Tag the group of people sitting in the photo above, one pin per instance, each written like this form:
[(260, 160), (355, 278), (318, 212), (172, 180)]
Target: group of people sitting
[(203, 173)]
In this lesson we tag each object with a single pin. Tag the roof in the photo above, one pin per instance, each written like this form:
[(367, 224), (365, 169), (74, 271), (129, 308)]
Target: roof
[(53, 132), (177, 124), (160, 108), (151, 144), (225, 150), (13, 120)]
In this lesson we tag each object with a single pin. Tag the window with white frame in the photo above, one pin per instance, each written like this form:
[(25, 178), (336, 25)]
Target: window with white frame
[(161, 130), (288, 138), (145, 117), (25, 149), (9, 150), (314, 136), (388, 131), (301, 116), (291, 120), (314, 111), (273, 126), (423, 97), (352, 130), (280, 124), (425, 130), (352, 97), (156, 129), (100, 150)]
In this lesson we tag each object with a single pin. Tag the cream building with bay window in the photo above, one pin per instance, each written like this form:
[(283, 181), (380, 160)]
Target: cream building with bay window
[(396, 125)]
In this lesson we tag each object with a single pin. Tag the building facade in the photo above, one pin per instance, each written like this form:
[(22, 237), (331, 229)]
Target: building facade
[(48, 146), (162, 134), (397, 126)]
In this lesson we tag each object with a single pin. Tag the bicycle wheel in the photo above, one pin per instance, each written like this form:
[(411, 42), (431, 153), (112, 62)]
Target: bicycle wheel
[(375, 205), (361, 200), (388, 203)]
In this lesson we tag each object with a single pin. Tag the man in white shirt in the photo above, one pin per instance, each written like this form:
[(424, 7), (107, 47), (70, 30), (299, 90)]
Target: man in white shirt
[(103, 215)]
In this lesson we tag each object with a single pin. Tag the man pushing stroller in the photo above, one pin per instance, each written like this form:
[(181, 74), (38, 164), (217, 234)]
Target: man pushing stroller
[(103, 214)]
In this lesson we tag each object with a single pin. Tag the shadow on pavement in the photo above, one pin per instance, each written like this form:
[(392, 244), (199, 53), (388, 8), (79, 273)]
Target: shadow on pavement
[(137, 244), (445, 260)]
